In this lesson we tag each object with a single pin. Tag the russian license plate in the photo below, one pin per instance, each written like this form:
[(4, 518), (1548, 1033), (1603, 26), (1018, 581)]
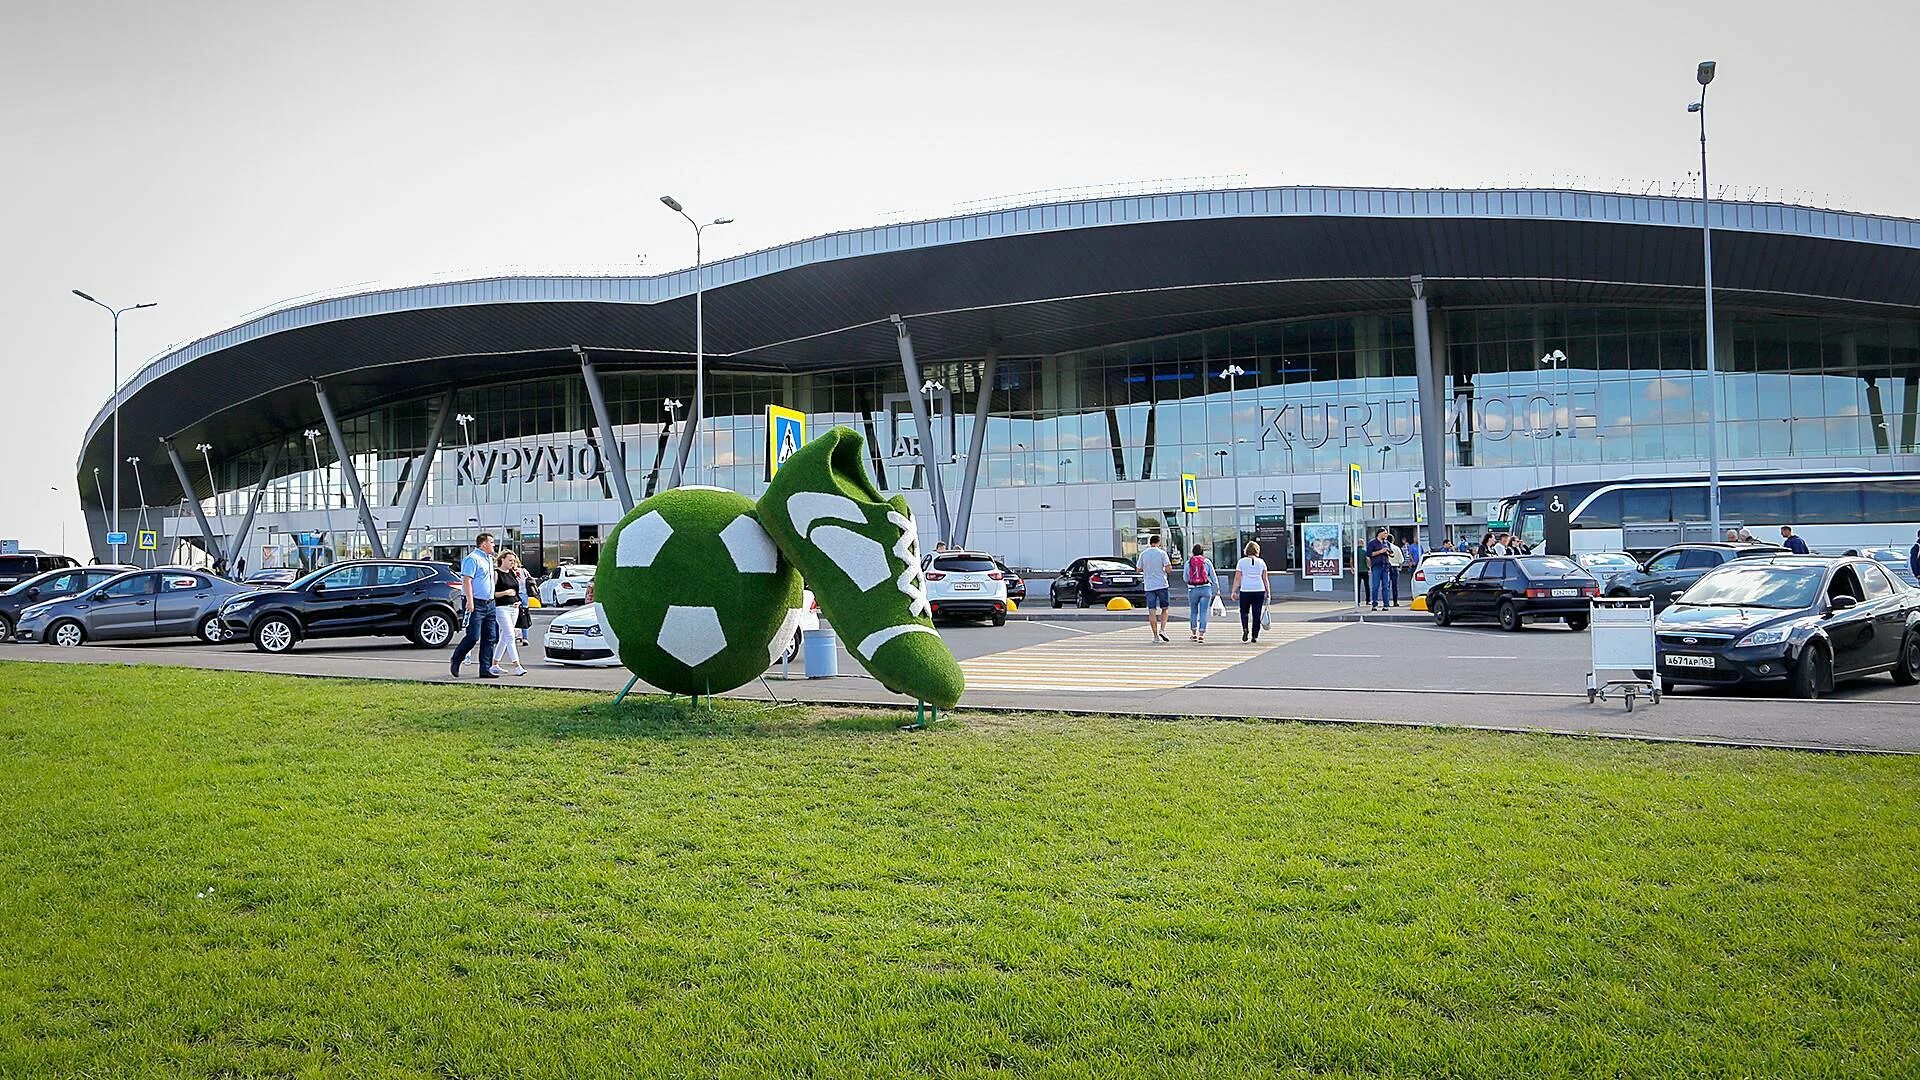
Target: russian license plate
[(1676, 660), (1566, 592), (966, 586), (560, 643)]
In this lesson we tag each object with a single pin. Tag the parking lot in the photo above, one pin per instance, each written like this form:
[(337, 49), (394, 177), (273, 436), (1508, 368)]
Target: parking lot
[(1305, 667)]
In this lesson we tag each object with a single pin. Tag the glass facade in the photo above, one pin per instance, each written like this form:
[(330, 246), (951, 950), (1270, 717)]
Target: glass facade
[(1316, 395)]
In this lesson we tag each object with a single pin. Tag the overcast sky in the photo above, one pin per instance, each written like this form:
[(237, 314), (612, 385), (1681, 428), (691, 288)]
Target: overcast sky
[(218, 158)]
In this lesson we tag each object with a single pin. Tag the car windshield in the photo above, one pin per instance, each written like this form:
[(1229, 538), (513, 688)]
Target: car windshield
[(1546, 566), (1748, 585), (1608, 558), (28, 583), (19, 564), (1447, 560), (1109, 564), (310, 577), (963, 564)]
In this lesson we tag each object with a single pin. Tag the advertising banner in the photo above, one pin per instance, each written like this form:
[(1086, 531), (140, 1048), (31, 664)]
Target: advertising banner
[(1322, 554)]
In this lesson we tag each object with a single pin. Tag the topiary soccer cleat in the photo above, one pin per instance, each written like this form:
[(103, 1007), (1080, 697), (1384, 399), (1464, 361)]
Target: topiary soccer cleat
[(860, 553)]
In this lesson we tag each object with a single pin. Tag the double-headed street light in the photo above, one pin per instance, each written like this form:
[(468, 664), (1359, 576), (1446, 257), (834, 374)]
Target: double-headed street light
[(699, 336), (1232, 373), (1556, 361), (114, 527), (1704, 75)]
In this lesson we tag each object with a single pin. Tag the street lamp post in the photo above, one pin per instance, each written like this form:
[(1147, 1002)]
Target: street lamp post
[(1555, 361), (1232, 373), (1704, 75), (55, 488), (114, 527), (466, 439), (138, 487), (213, 486), (699, 330)]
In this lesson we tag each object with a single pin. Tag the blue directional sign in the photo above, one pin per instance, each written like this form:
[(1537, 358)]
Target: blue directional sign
[(308, 540), (118, 539)]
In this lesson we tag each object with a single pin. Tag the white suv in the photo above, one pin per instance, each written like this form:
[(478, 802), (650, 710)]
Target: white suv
[(966, 585)]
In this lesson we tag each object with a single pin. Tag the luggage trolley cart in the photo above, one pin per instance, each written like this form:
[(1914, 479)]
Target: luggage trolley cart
[(1622, 632)]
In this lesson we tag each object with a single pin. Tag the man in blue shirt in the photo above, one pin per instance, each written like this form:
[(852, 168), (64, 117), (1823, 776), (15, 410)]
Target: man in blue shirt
[(1791, 542), (1380, 570), (476, 584)]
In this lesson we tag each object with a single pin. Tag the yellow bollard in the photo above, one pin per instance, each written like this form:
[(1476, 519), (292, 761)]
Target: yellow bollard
[(1119, 603), (1420, 602), (1011, 606)]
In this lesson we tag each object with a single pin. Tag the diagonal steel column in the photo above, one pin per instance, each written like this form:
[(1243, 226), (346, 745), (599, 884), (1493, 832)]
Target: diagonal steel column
[(193, 500), (421, 472), (1431, 375), (975, 445), (347, 469), (239, 543), (922, 423), (616, 461)]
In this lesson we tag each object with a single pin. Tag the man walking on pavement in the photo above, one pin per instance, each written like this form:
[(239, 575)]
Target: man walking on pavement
[(1380, 569), (1791, 542), (476, 583), (1153, 578), (1413, 558)]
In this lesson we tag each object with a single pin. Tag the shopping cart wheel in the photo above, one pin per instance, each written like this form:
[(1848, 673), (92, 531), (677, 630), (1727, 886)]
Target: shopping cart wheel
[(1591, 694), (1629, 700), (1656, 695)]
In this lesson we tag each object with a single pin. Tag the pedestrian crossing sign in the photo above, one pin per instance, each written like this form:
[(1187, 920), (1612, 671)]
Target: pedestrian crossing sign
[(786, 433), (1353, 485), (149, 540), (1189, 492)]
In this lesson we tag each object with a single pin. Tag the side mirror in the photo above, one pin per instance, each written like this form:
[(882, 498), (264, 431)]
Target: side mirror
[(33, 592), (1842, 603), (100, 596)]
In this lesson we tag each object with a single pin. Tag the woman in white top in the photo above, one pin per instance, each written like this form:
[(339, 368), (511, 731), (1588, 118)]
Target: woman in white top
[(1250, 581)]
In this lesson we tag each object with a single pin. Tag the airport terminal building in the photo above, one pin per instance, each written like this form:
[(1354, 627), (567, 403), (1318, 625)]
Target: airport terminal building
[(1071, 361)]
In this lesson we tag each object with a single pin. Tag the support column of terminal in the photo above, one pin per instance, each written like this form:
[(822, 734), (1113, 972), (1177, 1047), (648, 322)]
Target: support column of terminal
[(1431, 372), (924, 425), (347, 469), (193, 500), (238, 545), (616, 462), (421, 473), (971, 478)]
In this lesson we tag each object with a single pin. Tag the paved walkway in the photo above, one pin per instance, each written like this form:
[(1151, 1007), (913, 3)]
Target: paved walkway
[(1119, 660)]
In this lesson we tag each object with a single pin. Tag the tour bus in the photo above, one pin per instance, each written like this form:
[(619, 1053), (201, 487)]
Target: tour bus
[(1833, 511)]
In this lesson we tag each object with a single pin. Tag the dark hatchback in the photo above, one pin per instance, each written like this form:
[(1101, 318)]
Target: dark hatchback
[(1016, 585), (1098, 579), (377, 596), (1802, 621), (15, 569), (1516, 590), (50, 586), (1671, 571)]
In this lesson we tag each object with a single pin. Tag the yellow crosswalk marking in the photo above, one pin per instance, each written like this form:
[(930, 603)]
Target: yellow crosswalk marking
[(1124, 660)]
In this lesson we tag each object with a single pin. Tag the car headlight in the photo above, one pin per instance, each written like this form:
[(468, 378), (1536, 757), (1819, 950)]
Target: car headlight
[(1772, 635), (34, 611), (237, 605)]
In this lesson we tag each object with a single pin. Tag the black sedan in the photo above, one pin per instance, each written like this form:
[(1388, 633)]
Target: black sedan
[(1673, 570), (1016, 585), (382, 596), (1516, 590), (1804, 622), (1098, 579)]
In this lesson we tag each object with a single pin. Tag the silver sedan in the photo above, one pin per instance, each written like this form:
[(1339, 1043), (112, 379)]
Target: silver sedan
[(169, 602)]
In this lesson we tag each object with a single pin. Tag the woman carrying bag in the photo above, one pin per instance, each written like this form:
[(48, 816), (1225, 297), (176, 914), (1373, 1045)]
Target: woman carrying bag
[(1200, 590), (509, 592), (1250, 585)]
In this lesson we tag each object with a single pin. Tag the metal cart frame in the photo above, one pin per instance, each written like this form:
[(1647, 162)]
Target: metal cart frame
[(1622, 632)]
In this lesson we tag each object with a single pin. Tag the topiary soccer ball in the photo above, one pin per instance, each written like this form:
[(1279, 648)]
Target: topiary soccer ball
[(694, 596)]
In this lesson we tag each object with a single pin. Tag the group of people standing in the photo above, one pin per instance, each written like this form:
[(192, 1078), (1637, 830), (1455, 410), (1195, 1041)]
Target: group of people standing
[(496, 591), (1250, 588)]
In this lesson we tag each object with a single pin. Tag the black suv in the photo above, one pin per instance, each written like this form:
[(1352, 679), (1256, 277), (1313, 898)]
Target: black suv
[(51, 585), (375, 596), (1670, 572), (17, 568)]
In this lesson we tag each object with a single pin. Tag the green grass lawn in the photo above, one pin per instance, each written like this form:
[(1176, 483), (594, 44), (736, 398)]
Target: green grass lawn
[(212, 874)]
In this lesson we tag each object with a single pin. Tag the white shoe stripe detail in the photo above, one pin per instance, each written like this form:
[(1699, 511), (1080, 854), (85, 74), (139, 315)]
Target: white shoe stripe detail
[(806, 507), (872, 642), (864, 561)]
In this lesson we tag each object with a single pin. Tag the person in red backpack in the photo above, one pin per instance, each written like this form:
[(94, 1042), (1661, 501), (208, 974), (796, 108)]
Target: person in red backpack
[(1200, 591)]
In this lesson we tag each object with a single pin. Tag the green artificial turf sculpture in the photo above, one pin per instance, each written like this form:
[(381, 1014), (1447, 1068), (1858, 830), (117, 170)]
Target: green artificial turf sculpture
[(859, 551), (694, 596)]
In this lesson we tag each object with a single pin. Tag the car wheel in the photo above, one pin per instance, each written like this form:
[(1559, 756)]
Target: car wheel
[(1811, 674), (793, 648), (210, 630), (1082, 598), (1054, 598), (1000, 619), (1510, 617), (274, 634), (1576, 622), (67, 634), (1442, 615), (1906, 669), (432, 629), (6, 628)]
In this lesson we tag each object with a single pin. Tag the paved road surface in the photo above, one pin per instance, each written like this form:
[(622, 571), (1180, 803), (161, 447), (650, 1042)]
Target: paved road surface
[(1394, 673)]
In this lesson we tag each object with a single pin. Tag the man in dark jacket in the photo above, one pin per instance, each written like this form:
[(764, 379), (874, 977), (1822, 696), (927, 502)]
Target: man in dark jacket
[(1913, 557), (1791, 542)]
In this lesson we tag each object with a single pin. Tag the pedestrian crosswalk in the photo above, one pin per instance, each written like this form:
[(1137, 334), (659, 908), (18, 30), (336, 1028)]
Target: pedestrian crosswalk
[(1125, 659)]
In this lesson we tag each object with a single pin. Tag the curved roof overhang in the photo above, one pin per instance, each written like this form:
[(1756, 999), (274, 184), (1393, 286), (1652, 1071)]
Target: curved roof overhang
[(1028, 282)]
